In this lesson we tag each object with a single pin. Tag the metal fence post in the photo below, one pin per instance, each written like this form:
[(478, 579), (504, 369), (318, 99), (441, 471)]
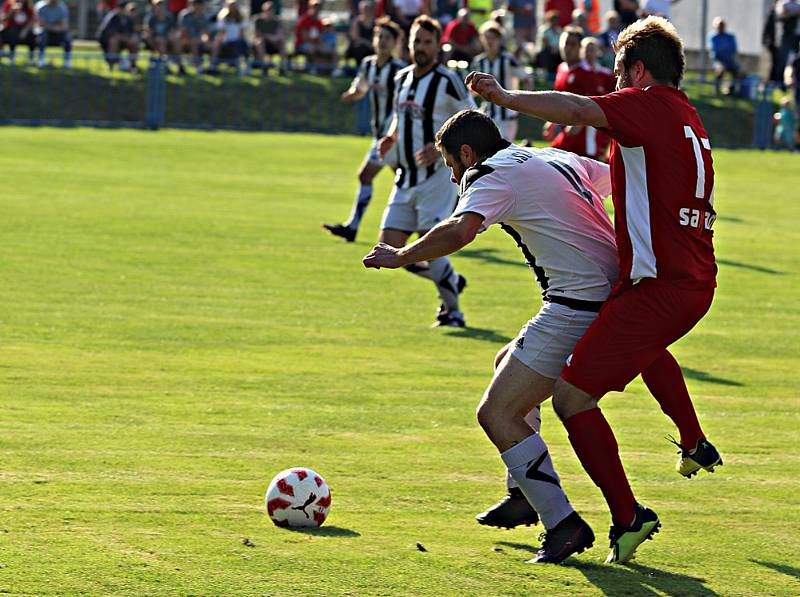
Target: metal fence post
[(155, 104)]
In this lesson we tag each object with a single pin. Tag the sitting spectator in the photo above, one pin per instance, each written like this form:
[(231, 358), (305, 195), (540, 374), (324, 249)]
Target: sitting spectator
[(329, 54), (524, 12), (785, 125), (564, 8), (269, 39), (17, 23), (229, 41), (462, 36), (308, 36), (608, 38), (628, 11), (53, 18), (193, 31), (117, 32), (159, 29), (723, 53), (549, 56), (360, 34)]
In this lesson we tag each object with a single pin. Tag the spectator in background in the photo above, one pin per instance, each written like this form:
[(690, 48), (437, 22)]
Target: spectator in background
[(462, 36), (18, 19), (229, 42), (447, 10), (329, 55), (564, 8), (403, 12), (608, 37), (628, 11), (549, 56), (159, 29), (176, 7), (769, 39), (117, 32), (785, 125), (524, 12), (193, 31), (308, 34), (269, 39), (53, 18), (360, 34), (723, 54), (579, 21), (657, 8), (480, 11), (788, 14)]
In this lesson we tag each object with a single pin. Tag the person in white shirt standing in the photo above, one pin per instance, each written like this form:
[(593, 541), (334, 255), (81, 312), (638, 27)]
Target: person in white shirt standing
[(551, 203)]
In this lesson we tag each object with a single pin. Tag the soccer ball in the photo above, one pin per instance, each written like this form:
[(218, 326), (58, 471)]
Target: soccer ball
[(298, 497)]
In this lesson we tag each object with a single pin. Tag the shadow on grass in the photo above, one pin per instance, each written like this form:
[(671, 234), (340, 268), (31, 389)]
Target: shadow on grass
[(635, 579), (732, 219), (521, 546), (753, 268), (326, 531), (489, 256), (708, 378), (783, 568), (479, 334)]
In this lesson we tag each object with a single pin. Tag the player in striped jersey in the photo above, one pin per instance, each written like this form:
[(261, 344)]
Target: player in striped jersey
[(426, 95), (375, 76), (505, 68)]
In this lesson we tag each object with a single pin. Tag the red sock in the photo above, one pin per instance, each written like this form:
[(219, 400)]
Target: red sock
[(596, 447), (665, 381)]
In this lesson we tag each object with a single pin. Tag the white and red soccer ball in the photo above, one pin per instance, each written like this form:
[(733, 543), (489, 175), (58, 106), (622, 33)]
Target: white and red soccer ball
[(298, 497)]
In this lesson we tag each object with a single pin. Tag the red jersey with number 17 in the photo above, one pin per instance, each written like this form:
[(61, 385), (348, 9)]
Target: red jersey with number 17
[(662, 178)]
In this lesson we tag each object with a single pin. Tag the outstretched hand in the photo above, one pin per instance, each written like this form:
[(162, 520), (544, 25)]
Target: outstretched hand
[(383, 255), (486, 86)]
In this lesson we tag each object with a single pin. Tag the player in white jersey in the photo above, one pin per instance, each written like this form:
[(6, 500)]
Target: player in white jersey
[(504, 67), (551, 203), (426, 95), (375, 76)]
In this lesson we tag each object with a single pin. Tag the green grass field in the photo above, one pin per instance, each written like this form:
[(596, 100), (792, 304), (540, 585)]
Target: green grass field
[(175, 329)]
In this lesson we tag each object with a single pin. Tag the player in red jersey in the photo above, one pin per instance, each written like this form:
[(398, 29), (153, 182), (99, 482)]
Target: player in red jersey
[(574, 75), (663, 188)]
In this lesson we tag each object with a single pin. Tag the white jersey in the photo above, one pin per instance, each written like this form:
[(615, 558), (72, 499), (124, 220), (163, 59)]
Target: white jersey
[(378, 81), (551, 202), (422, 105), (504, 68)]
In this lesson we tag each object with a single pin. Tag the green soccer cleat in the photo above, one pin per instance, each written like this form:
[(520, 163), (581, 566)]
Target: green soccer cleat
[(625, 540), (703, 456)]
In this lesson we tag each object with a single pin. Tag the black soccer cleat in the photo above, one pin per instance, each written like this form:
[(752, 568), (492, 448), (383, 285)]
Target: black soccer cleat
[(625, 540), (512, 511), (703, 456), (454, 319), (570, 536), (348, 234)]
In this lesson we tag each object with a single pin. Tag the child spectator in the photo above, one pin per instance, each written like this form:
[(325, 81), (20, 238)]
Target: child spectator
[(53, 18), (269, 39), (17, 22), (229, 41), (193, 31), (116, 32), (723, 53)]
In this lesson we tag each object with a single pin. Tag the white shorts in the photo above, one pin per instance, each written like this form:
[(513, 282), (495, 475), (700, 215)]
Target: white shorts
[(374, 158), (421, 207), (508, 128), (545, 342)]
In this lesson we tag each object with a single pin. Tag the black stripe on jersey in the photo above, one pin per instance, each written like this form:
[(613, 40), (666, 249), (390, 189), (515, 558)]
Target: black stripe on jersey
[(502, 77), (408, 134), (473, 174), (575, 180), (455, 86), (541, 276), (373, 74), (428, 134), (390, 89)]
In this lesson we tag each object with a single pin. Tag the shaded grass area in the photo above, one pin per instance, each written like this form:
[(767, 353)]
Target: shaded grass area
[(176, 329)]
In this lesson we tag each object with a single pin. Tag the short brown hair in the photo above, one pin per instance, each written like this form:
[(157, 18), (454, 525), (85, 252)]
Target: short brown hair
[(655, 42), (391, 27), (571, 31), (428, 24), (491, 27), (468, 127)]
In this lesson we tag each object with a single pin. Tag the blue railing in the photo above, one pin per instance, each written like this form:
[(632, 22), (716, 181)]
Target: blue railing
[(89, 94)]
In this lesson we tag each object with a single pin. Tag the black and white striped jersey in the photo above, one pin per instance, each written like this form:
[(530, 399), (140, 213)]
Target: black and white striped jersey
[(504, 67), (378, 81), (422, 105)]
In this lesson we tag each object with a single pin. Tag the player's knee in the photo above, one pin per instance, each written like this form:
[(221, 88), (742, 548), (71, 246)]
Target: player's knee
[(484, 413), (569, 400)]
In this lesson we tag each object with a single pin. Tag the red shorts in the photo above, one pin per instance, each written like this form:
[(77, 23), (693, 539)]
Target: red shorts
[(634, 327)]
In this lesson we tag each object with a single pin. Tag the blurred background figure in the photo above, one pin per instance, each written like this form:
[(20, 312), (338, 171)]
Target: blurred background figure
[(580, 21), (769, 39), (328, 55), (193, 32), (524, 20), (785, 121), (722, 46), (117, 32), (359, 36), (564, 8), (657, 8), (308, 36), (17, 19), (269, 39), (229, 43), (608, 37), (53, 19), (549, 56), (462, 37), (788, 16), (446, 10), (159, 30), (628, 11)]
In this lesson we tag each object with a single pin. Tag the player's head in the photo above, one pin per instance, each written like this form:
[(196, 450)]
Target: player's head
[(649, 51), (466, 138), (385, 36), (590, 50), (491, 37), (569, 45), (423, 44), (719, 25)]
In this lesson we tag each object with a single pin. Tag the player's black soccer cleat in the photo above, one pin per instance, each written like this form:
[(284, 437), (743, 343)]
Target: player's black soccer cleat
[(625, 540), (348, 234), (513, 510), (570, 536), (444, 318), (703, 456)]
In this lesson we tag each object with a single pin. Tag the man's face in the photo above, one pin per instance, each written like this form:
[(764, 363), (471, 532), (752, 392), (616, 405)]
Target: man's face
[(491, 43), (570, 49), (424, 47), (623, 75), (383, 42), (457, 167)]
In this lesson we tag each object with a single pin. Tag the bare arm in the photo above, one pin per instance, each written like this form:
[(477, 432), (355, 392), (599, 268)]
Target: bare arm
[(553, 106), (443, 239)]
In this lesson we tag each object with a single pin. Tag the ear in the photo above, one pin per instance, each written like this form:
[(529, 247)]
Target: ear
[(467, 154), (638, 71)]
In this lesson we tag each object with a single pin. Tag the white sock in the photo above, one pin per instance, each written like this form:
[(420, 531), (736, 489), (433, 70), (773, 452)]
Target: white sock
[(530, 465), (441, 272), (363, 198), (534, 419)]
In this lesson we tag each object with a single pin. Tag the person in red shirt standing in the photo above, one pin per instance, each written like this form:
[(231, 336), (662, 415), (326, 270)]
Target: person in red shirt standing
[(662, 187)]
